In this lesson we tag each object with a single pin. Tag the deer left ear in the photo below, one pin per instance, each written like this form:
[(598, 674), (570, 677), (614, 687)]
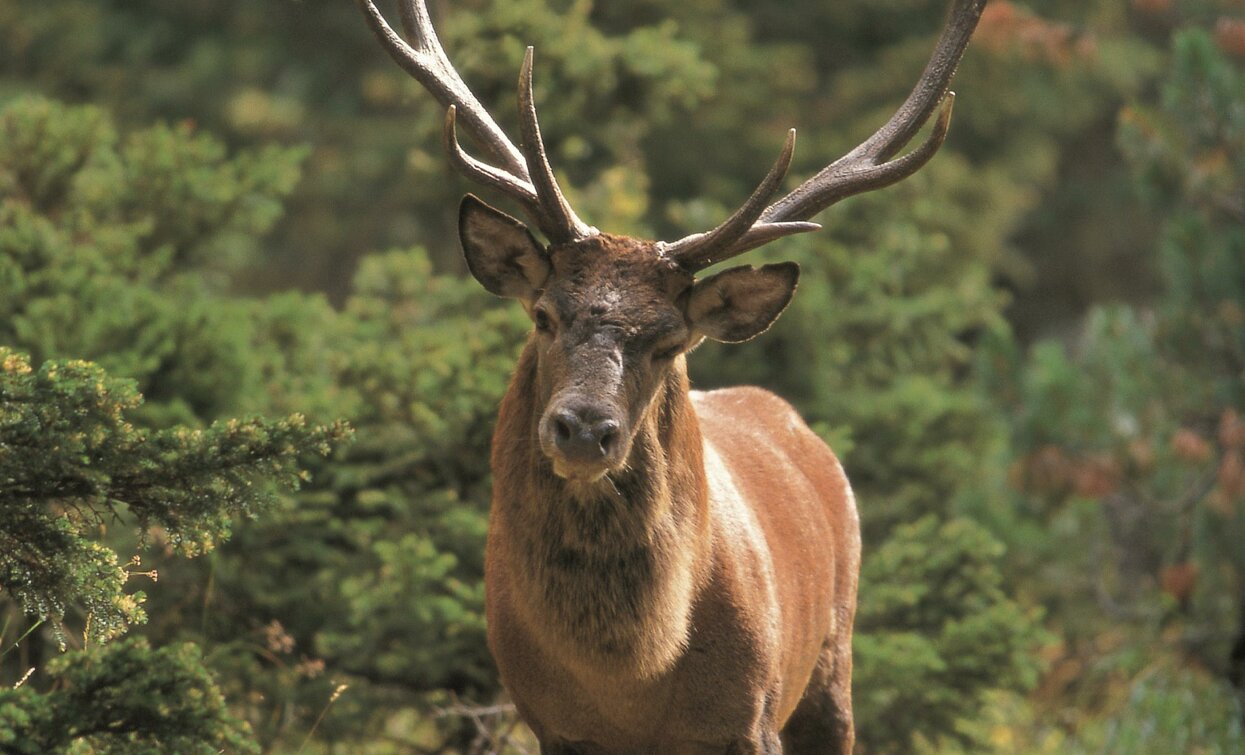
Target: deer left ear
[(742, 302), (501, 252)]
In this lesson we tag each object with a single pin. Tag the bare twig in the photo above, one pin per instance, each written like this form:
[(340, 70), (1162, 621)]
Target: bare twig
[(492, 737)]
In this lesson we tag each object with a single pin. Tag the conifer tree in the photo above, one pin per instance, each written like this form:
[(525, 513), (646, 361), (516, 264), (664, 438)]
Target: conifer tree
[(91, 238)]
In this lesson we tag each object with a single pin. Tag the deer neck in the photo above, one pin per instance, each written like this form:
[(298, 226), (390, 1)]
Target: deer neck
[(607, 570)]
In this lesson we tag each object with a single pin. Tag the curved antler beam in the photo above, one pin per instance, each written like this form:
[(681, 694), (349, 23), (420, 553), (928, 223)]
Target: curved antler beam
[(428, 64), (869, 165), (482, 172), (523, 174), (561, 221)]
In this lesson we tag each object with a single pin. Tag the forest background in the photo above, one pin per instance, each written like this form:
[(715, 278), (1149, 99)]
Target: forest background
[(1031, 357)]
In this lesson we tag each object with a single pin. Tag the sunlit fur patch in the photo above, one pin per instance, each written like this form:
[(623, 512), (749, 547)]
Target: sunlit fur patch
[(742, 527)]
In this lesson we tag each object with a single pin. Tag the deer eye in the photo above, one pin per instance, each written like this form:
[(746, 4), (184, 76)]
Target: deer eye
[(543, 323)]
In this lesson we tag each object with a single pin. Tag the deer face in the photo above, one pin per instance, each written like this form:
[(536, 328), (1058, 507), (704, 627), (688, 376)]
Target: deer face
[(611, 317)]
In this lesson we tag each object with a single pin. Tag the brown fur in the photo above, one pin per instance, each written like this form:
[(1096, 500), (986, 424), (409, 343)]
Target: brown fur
[(697, 598)]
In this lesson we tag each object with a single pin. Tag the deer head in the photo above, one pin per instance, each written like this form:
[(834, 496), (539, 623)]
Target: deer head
[(612, 315)]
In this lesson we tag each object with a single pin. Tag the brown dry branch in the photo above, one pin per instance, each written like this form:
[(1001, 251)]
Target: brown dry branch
[(494, 724)]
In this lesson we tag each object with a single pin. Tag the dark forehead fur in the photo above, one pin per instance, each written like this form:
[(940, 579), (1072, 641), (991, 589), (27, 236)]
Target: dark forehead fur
[(617, 278)]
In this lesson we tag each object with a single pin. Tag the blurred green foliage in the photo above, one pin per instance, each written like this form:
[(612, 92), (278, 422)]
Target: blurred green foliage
[(1130, 444), (1029, 355), (95, 264), (117, 250), (1157, 717)]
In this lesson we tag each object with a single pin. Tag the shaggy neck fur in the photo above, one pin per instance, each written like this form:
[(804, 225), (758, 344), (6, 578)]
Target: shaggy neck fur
[(610, 569)]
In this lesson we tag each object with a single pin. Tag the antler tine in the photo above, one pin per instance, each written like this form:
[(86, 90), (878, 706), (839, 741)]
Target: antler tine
[(701, 250), (761, 234), (561, 221), (524, 174), (483, 172), (428, 64), (866, 167)]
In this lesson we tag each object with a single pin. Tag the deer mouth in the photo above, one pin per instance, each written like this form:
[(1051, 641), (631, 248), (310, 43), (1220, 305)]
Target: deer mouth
[(579, 473), (583, 469)]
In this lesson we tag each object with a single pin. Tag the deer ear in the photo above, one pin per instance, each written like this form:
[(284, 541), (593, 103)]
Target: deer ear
[(501, 252), (742, 302)]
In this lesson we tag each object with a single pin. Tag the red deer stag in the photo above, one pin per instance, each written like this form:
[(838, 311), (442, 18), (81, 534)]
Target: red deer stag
[(667, 571)]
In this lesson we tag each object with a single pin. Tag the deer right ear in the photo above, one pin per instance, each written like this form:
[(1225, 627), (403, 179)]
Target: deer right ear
[(501, 252)]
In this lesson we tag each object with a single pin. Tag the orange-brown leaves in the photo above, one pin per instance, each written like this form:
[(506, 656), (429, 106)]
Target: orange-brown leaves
[(1188, 446), (1007, 28), (1232, 430), (1179, 580), (1097, 476), (1229, 492), (1154, 7), (1053, 472), (1230, 36), (1046, 472)]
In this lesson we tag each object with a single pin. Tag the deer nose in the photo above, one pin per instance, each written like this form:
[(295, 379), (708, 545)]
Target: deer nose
[(581, 436)]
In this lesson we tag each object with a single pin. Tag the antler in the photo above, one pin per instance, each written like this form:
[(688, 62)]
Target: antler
[(524, 174), (702, 249), (867, 167)]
